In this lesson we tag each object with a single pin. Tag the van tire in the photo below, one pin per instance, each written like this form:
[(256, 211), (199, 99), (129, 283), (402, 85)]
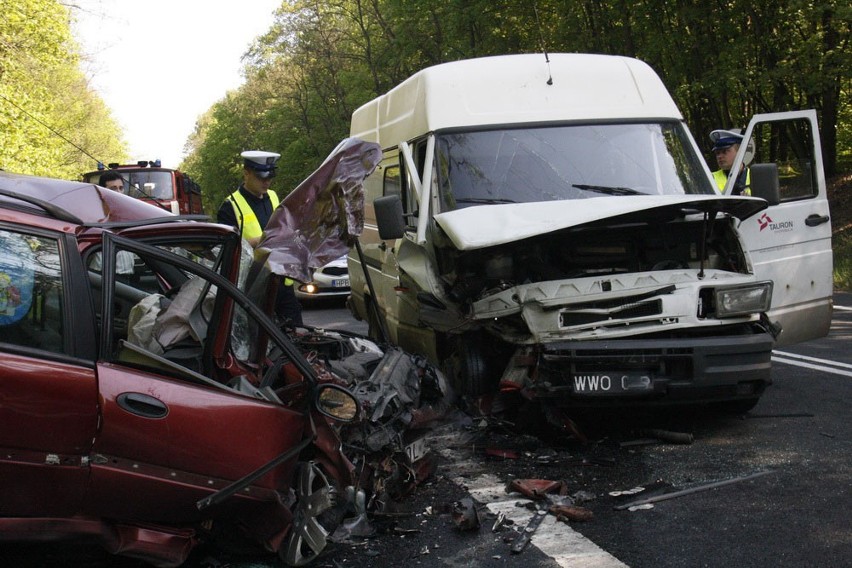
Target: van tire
[(468, 366)]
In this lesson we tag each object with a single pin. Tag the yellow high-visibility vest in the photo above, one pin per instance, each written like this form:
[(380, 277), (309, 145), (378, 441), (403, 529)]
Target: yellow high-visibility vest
[(721, 179), (246, 219)]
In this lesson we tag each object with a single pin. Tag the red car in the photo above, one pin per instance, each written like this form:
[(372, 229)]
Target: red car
[(146, 400)]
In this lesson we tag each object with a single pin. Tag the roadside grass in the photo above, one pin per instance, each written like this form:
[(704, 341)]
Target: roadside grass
[(842, 247)]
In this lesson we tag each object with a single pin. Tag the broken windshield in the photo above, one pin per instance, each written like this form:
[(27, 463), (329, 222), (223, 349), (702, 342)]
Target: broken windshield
[(567, 162)]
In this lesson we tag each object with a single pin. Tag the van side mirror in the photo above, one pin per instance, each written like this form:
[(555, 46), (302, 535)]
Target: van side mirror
[(389, 217), (765, 182)]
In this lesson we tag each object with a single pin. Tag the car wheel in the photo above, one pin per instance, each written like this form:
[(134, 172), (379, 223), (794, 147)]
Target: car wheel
[(314, 496)]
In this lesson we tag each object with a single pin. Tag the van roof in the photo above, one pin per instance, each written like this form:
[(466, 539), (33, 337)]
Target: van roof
[(514, 89)]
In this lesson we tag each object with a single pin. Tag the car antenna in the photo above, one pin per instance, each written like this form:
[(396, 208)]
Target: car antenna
[(543, 46)]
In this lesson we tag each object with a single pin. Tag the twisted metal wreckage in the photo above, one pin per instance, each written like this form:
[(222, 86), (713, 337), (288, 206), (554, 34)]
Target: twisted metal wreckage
[(382, 457), (283, 437)]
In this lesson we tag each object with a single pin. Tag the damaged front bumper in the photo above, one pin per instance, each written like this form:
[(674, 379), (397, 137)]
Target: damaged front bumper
[(623, 372)]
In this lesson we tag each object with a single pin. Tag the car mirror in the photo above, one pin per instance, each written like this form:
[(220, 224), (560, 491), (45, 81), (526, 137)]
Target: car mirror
[(337, 403)]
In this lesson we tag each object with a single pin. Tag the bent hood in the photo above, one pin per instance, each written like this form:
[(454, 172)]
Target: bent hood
[(489, 225)]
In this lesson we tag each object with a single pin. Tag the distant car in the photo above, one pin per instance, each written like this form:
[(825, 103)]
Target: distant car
[(330, 281)]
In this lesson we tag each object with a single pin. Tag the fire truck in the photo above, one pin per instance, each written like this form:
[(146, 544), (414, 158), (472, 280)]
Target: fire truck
[(168, 188)]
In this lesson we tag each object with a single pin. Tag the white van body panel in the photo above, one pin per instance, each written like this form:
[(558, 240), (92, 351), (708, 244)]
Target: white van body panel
[(790, 244), (614, 257), (475, 92)]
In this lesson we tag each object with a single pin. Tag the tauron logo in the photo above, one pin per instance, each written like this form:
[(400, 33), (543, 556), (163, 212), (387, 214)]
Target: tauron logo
[(766, 222)]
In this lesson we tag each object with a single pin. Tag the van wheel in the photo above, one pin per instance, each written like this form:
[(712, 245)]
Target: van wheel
[(470, 365)]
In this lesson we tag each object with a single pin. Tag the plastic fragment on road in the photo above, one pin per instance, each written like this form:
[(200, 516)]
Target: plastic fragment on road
[(536, 488), (465, 515), (567, 513)]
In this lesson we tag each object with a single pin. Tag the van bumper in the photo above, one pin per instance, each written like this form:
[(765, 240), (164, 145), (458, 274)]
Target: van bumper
[(659, 371)]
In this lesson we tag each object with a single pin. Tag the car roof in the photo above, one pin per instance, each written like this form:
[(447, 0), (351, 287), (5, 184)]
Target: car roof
[(74, 201)]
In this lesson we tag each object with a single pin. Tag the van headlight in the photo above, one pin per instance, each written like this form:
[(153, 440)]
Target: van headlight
[(742, 300)]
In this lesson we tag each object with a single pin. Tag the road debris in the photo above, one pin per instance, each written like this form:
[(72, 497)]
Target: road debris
[(633, 491), (499, 453), (696, 489), (669, 436), (567, 513), (521, 542), (465, 515), (500, 522), (536, 488)]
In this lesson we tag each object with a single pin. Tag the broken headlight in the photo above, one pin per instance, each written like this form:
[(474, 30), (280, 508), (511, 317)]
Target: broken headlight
[(742, 300)]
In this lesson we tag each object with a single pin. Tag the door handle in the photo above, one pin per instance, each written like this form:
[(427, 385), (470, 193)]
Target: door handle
[(814, 220), (142, 405)]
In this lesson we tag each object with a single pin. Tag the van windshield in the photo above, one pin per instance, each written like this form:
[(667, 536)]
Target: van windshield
[(566, 162)]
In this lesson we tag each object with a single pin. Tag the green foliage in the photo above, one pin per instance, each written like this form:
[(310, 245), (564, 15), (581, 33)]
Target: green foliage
[(320, 60), (842, 248), (47, 110)]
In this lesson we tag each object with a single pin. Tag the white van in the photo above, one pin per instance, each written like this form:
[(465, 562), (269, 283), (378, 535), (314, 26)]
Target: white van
[(548, 226)]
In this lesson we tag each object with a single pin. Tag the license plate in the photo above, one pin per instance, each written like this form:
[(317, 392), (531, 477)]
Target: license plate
[(612, 383), (340, 283), (416, 449)]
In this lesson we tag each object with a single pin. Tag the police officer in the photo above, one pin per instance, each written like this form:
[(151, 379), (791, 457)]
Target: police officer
[(249, 209), (726, 143)]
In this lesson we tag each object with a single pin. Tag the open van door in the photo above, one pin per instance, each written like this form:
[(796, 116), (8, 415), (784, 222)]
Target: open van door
[(790, 241)]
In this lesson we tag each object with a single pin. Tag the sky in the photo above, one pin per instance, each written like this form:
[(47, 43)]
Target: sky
[(159, 65)]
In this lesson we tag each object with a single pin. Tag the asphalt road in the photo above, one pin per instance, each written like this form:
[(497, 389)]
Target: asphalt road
[(768, 488)]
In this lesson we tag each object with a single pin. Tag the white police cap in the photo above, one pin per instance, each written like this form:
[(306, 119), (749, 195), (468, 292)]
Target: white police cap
[(725, 138), (260, 162)]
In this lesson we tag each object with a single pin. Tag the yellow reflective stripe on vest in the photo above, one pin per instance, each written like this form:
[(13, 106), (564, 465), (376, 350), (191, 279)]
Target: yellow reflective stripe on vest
[(722, 179), (246, 219)]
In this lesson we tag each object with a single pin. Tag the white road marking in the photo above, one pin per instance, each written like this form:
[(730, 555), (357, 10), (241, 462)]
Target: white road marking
[(825, 365), (554, 538), (843, 308)]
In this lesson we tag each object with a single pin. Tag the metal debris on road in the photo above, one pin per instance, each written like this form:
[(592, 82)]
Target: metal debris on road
[(531, 527), (690, 490)]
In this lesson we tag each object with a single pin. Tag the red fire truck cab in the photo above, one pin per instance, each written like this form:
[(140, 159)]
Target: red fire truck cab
[(171, 189)]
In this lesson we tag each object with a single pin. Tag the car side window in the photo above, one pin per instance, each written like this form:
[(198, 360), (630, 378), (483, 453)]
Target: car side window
[(31, 300), (788, 144)]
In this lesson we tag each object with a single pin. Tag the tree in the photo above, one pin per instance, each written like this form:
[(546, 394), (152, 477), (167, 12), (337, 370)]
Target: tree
[(321, 60), (52, 122)]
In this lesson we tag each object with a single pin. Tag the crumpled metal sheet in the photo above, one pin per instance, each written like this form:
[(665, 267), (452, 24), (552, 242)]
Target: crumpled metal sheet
[(404, 392), (321, 219)]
